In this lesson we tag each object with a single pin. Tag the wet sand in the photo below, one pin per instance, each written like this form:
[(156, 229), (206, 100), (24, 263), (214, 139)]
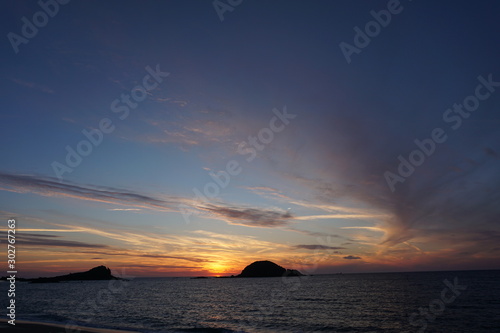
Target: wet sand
[(31, 327)]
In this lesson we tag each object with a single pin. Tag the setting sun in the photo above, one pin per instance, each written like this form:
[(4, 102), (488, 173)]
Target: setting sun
[(217, 269)]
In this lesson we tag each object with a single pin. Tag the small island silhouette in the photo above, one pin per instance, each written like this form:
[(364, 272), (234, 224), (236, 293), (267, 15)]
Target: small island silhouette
[(267, 268), (96, 273)]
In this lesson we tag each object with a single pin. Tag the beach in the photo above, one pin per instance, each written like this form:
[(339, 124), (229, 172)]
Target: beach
[(31, 326)]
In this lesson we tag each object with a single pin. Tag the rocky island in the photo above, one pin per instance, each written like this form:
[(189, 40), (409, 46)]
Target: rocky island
[(267, 268), (96, 273)]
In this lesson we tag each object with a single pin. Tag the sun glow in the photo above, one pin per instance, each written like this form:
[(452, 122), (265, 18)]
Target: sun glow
[(217, 269)]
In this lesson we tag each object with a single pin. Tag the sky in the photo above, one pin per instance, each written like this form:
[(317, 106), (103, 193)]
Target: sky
[(190, 138)]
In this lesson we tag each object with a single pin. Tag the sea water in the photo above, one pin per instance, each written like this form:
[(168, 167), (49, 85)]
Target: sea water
[(460, 301)]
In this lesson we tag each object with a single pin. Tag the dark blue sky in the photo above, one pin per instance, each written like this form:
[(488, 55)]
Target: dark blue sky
[(331, 175)]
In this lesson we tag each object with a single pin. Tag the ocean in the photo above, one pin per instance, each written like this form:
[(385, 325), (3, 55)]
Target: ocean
[(459, 301)]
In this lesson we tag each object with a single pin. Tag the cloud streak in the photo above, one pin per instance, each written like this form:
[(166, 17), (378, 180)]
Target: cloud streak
[(33, 85), (318, 247), (250, 217), (52, 240), (352, 257), (49, 187), (456, 189)]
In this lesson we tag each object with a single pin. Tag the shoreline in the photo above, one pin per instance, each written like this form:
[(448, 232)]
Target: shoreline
[(24, 326)]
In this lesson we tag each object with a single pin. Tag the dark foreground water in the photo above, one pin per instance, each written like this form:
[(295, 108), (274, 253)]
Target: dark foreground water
[(384, 302)]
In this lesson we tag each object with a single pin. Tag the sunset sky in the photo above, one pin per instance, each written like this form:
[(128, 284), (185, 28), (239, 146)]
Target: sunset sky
[(293, 146)]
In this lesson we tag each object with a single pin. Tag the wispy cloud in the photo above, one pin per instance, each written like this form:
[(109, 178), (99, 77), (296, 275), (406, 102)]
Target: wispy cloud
[(351, 257), (261, 188), (124, 245), (336, 216), (318, 247), (186, 132), (53, 240), (365, 228), (44, 186), (336, 211), (316, 233), (251, 217), (49, 187), (457, 188), (144, 255), (178, 102), (33, 85)]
